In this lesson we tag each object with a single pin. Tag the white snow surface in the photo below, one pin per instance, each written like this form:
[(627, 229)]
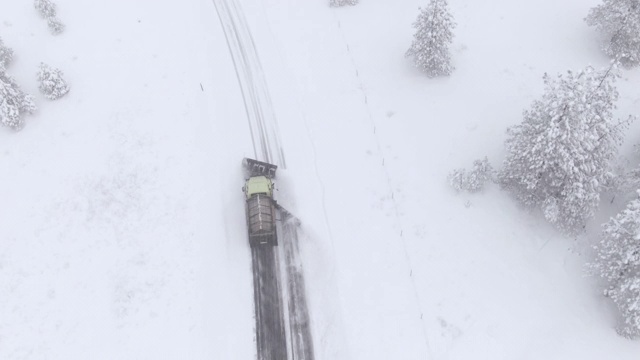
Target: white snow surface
[(122, 229)]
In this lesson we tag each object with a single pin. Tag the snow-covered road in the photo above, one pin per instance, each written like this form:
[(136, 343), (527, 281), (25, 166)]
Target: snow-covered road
[(270, 265)]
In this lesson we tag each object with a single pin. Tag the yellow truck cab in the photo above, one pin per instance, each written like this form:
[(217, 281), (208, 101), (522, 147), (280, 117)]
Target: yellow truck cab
[(258, 185)]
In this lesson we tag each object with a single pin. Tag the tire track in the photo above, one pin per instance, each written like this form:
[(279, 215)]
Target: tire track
[(299, 321), (263, 123)]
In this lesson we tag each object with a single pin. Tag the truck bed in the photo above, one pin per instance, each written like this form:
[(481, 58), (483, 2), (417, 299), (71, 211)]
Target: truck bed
[(261, 220)]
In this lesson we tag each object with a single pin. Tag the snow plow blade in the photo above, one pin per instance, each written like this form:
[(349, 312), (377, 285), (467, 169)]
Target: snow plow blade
[(259, 168)]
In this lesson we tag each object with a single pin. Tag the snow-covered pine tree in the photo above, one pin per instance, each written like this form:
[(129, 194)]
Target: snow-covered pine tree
[(337, 3), (618, 262), (434, 33), (558, 159), (13, 103), (6, 55), (619, 21), (52, 85), (46, 8)]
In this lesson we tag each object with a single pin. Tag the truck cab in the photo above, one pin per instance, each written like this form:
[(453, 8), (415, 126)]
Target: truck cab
[(258, 185)]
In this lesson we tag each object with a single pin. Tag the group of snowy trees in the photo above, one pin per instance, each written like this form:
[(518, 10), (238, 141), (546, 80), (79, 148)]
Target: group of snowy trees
[(15, 103), (618, 20), (559, 158)]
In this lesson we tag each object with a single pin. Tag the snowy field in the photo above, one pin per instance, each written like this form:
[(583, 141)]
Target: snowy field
[(122, 229)]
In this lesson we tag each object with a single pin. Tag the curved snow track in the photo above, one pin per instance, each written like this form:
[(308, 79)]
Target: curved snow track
[(263, 124), (270, 298)]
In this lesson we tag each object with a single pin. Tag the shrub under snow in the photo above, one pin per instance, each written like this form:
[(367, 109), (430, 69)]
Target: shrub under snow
[(13, 103), (558, 159), (474, 180), (618, 262), (52, 85), (336, 3)]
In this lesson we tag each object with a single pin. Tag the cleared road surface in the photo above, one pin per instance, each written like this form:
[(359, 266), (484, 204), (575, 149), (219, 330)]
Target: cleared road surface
[(270, 335)]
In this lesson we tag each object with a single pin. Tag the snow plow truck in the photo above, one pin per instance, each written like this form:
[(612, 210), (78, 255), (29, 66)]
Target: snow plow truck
[(260, 205)]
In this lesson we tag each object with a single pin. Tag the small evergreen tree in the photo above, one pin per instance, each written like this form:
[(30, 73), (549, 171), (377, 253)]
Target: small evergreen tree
[(46, 8), (337, 3), (618, 262), (13, 103), (6, 55), (434, 33), (558, 158), (619, 21), (52, 85)]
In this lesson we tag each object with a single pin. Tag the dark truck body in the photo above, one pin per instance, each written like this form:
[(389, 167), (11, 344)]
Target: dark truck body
[(261, 220), (260, 205)]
